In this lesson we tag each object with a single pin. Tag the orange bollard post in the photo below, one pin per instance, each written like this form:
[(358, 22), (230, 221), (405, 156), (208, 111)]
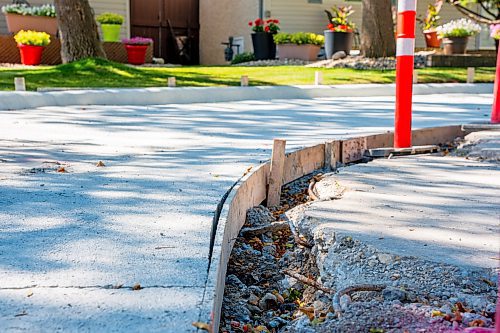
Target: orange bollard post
[(405, 50), (495, 112)]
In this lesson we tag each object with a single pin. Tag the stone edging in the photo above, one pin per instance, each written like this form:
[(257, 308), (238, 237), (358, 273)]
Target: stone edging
[(250, 191), (156, 96)]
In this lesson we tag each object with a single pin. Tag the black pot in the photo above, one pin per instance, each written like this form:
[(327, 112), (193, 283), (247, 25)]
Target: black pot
[(455, 45), (337, 41), (264, 47)]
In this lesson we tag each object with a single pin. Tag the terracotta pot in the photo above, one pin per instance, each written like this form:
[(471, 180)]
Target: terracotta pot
[(16, 23), (307, 52), (263, 46), (136, 54), (431, 39), (455, 45), (31, 54)]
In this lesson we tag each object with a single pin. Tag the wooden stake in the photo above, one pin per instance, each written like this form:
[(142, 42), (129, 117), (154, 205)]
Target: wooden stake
[(415, 77), (20, 84), (172, 82), (318, 78), (244, 81), (471, 72), (276, 173)]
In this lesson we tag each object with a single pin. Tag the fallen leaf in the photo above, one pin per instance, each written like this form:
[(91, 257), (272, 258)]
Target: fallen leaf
[(100, 164), (30, 293), (62, 170), (308, 311), (202, 326), (137, 286)]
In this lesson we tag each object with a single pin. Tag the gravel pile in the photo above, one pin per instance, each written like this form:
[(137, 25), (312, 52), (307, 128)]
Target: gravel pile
[(359, 62), (276, 62)]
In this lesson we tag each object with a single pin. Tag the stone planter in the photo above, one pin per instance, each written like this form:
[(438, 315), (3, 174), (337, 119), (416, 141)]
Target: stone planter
[(111, 32), (431, 39), (16, 23), (307, 52), (337, 41), (264, 47), (455, 45)]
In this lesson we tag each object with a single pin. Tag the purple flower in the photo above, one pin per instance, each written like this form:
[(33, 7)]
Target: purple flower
[(495, 31), (137, 41)]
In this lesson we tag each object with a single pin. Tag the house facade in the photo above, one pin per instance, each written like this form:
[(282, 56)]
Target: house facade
[(191, 31)]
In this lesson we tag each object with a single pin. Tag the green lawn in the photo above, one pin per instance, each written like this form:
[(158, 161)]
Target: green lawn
[(100, 73)]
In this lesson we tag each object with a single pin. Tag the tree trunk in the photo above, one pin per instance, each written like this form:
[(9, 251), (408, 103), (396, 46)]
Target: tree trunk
[(377, 29), (78, 31)]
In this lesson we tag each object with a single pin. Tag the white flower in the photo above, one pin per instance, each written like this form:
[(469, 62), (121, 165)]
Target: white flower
[(458, 28)]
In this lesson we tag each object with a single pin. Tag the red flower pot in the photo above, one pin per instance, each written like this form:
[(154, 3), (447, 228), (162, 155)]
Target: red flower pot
[(431, 39), (136, 54), (30, 54)]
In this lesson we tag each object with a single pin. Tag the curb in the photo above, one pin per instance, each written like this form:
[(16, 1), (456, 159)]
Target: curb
[(156, 96)]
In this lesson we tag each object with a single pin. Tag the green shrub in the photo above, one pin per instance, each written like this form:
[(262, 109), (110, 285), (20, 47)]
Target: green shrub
[(243, 57), (299, 38), (32, 38), (110, 18)]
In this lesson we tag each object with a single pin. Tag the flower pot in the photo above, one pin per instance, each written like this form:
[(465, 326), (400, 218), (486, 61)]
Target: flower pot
[(337, 41), (307, 52), (431, 39), (111, 32), (136, 54), (31, 54), (264, 47), (16, 23), (455, 45)]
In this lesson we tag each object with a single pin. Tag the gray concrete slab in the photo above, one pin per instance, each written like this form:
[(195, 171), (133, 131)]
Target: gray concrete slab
[(442, 209), (146, 216)]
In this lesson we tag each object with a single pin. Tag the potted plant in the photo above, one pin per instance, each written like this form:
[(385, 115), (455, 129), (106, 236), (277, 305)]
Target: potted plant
[(299, 45), (262, 38), (31, 45), (36, 18), (136, 49), (455, 35), (430, 23), (340, 33), (111, 24)]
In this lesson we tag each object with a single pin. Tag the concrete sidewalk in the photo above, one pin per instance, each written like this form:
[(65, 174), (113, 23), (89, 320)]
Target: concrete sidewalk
[(438, 208), (74, 244)]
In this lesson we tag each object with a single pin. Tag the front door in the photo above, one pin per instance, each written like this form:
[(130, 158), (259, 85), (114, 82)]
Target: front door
[(172, 24)]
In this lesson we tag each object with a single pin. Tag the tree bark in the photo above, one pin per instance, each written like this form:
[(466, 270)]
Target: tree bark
[(78, 31), (377, 29)]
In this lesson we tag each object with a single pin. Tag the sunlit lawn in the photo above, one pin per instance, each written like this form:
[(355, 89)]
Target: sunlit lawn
[(100, 73)]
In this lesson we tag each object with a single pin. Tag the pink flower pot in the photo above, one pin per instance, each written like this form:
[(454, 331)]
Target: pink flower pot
[(307, 52)]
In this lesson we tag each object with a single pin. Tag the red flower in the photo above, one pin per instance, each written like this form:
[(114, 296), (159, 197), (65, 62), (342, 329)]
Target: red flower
[(343, 27), (267, 28), (259, 22), (250, 23), (276, 21), (331, 26)]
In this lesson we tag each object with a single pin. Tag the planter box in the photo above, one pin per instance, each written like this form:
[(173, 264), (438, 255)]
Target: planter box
[(307, 52), (16, 22)]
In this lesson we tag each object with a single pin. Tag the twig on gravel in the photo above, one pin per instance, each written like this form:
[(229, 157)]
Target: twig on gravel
[(310, 190), (257, 231), (358, 287), (308, 281)]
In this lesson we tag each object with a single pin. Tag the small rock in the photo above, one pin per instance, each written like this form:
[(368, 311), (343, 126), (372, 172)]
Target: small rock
[(258, 216), (339, 55), (253, 299), (392, 294), (268, 302), (345, 300), (385, 258)]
